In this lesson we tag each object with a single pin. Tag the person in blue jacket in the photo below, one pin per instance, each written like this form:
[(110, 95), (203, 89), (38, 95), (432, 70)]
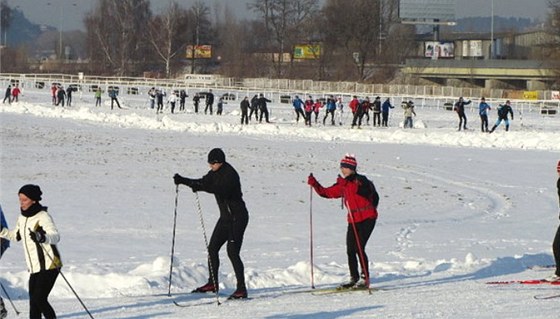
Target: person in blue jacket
[(385, 112), (483, 109), (298, 108), (331, 107)]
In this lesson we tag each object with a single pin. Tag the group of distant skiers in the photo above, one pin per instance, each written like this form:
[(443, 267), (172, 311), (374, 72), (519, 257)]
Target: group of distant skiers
[(503, 111)]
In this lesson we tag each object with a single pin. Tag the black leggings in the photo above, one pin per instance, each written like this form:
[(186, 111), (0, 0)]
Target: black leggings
[(364, 230), (40, 286), (231, 232), (556, 250)]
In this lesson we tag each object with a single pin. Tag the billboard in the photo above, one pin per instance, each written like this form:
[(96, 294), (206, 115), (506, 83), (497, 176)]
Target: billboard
[(307, 51), (434, 49), (200, 51), (420, 10), (472, 48)]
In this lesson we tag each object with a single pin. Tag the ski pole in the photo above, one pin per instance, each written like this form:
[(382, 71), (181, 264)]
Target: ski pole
[(9, 299), (173, 240), (210, 266), (311, 234), (68, 283)]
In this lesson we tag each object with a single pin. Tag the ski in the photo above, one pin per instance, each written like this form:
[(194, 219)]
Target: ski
[(545, 297), (198, 299), (524, 282), (541, 267), (337, 290)]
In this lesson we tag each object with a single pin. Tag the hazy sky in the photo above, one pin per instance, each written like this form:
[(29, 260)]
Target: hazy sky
[(68, 14)]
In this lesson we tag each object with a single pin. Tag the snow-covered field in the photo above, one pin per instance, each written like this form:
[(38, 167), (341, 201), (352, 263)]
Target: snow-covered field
[(457, 209)]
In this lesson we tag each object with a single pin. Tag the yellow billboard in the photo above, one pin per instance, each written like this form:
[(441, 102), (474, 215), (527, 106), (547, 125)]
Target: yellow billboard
[(530, 95), (307, 51), (200, 51)]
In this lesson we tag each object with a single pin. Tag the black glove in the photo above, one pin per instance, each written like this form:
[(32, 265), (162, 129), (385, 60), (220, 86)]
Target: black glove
[(38, 236), (178, 179), (195, 185)]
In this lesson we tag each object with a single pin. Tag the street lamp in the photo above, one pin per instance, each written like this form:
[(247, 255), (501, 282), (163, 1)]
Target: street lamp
[(492, 31)]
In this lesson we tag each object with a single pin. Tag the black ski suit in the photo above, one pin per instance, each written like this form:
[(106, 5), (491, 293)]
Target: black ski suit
[(556, 242), (234, 217)]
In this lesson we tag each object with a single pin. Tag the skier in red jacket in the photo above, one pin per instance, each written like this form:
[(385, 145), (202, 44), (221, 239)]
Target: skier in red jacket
[(361, 199)]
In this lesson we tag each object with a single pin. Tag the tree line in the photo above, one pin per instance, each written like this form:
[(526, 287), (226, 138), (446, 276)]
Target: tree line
[(359, 40)]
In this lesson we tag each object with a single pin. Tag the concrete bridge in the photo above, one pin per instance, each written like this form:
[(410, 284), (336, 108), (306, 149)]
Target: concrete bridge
[(519, 74)]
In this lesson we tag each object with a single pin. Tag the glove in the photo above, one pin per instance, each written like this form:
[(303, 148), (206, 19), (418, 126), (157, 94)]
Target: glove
[(178, 179), (195, 185), (312, 181), (38, 236)]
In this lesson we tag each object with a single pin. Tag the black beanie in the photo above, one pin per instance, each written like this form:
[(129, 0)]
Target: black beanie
[(216, 155), (33, 192)]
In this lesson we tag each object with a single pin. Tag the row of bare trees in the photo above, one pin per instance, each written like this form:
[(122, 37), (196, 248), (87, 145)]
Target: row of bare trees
[(358, 39)]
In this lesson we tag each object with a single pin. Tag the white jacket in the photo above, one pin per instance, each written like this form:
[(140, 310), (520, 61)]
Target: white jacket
[(39, 257)]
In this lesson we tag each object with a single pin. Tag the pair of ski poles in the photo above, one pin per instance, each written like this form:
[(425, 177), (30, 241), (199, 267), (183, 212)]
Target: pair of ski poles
[(356, 238), (214, 280)]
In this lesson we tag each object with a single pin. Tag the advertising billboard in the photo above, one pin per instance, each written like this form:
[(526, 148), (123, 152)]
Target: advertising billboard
[(307, 51), (200, 51), (472, 48), (442, 10), (434, 49)]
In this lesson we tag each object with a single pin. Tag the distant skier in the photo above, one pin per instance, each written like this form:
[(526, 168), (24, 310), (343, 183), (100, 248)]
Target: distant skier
[(316, 108), (152, 97), (377, 111), (223, 181), (460, 109), (209, 102), (263, 108), (159, 101), (8, 95), (297, 103), (60, 96), (15, 93), (69, 91), (98, 97), (308, 110), (556, 242), (330, 109), (113, 94), (182, 98), (220, 106), (196, 102), (483, 109), (339, 110), (244, 105), (36, 230), (254, 107), (361, 199), (408, 112), (385, 112), (503, 111)]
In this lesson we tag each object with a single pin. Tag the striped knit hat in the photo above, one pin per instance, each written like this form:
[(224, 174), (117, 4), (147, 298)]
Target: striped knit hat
[(349, 161)]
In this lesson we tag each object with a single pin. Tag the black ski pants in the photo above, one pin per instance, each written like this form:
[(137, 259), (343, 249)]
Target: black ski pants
[(231, 232), (353, 250), (556, 250), (40, 286)]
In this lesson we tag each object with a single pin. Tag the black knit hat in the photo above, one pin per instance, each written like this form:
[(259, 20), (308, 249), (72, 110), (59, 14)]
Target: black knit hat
[(33, 192), (216, 155)]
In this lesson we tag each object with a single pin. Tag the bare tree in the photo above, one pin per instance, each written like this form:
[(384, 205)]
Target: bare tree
[(167, 34), (116, 33), (200, 26), (5, 20), (553, 27), (283, 20)]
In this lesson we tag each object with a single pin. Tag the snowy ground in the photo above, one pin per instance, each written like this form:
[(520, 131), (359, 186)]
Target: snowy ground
[(458, 209)]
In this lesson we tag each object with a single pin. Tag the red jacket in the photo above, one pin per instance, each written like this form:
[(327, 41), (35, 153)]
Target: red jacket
[(360, 196), (16, 91), (317, 106), (354, 105), (309, 106)]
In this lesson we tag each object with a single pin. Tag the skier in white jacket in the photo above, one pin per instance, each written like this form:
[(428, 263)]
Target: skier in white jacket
[(38, 232)]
